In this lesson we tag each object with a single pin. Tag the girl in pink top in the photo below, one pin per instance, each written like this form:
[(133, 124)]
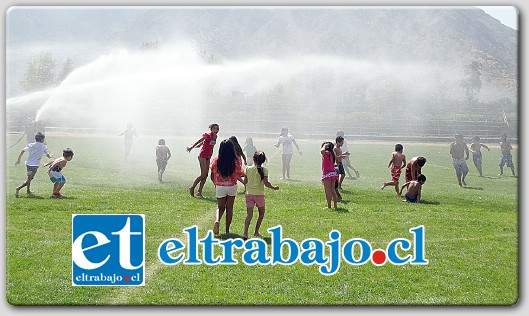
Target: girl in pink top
[(226, 169), (329, 174), (207, 142)]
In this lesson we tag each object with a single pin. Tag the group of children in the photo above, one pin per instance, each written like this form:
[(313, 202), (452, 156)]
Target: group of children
[(459, 152), (226, 170), (35, 152)]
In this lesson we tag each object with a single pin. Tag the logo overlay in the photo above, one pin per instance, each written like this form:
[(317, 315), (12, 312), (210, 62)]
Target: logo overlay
[(285, 251), (108, 250)]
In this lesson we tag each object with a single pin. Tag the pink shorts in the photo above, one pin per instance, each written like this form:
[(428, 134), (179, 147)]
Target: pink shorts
[(252, 199)]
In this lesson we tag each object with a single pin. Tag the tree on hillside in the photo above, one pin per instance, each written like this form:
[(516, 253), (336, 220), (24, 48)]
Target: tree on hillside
[(67, 68), (472, 82), (40, 73)]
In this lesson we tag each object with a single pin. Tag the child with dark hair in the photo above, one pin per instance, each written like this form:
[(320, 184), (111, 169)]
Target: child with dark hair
[(35, 150), (414, 188), (207, 142), (256, 179), (340, 155), (239, 152), (414, 167), (287, 140), (55, 171), (226, 169), (475, 148), (329, 174), (346, 160), (162, 156), (459, 152), (396, 163)]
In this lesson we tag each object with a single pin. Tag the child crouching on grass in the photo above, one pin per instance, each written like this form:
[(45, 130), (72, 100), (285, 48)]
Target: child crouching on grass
[(55, 171), (256, 179), (414, 189)]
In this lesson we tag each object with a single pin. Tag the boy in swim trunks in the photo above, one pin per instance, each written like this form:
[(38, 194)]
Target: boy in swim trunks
[(55, 172), (475, 148), (396, 163), (459, 152), (414, 189), (414, 167), (506, 156)]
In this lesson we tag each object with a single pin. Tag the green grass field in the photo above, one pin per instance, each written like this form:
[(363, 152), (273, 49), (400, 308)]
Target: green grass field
[(471, 233)]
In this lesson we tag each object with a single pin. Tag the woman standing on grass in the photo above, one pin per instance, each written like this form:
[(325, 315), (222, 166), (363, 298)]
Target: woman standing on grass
[(207, 142), (329, 174), (225, 170)]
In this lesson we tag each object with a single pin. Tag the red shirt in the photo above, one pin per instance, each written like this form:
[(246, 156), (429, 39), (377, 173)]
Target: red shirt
[(229, 181), (207, 145)]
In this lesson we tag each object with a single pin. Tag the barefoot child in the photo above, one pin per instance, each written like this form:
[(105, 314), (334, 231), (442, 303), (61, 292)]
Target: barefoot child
[(414, 189), (397, 162), (55, 171), (226, 169), (162, 156), (35, 150), (459, 152), (287, 140), (346, 160), (329, 174), (207, 142), (414, 167), (256, 179), (475, 148), (506, 156), (340, 155)]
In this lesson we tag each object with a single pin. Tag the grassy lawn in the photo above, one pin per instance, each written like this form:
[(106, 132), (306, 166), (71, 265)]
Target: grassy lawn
[(471, 233)]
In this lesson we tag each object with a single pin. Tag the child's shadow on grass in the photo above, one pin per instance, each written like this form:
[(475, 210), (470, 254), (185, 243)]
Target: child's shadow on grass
[(33, 196), (473, 188), (430, 202), (489, 177), (268, 240), (230, 236), (341, 210)]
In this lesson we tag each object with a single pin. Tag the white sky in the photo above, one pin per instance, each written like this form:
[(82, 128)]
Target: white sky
[(508, 15)]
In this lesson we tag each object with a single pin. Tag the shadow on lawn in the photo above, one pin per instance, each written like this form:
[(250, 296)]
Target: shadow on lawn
[(473, 188), (268, 240), (430, 202)]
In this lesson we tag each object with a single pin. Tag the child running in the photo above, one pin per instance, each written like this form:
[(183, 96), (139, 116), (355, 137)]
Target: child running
[(287, 140), (459, 152), (55, 172), (346, 160), (329, 174), (225, 170), (249, 149), (162, 156), (35, 150), (256, 179), (414, 189), (207, 142), (396, 163), (506, 156), (130, 133), (340, 155), (475, 148)]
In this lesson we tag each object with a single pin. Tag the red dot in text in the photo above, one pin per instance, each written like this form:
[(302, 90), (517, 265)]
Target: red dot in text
[(378, 256)]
